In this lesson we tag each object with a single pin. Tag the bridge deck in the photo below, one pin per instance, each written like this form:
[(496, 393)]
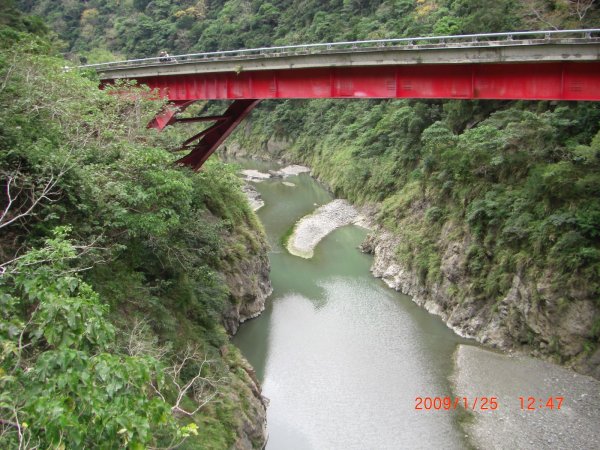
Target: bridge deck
[(573, 50), (459, 67), (564, 70)]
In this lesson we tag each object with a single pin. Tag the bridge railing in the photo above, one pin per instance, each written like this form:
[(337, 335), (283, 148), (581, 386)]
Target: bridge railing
[(461, 40)]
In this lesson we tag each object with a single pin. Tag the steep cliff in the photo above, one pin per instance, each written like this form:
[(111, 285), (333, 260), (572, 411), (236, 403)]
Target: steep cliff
[(249, 285), (118, 272), (529, 317)]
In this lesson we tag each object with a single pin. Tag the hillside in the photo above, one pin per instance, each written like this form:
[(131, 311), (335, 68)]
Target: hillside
[(109, 29), (118, 271)]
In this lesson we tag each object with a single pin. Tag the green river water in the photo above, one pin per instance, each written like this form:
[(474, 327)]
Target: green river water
[(342, 357)]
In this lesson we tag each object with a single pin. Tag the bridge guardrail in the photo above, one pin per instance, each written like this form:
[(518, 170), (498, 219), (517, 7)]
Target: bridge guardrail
[(462, 40)]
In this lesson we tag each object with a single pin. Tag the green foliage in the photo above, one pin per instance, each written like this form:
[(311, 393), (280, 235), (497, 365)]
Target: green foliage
[(62, 381), (140, 28), (150, 242), (12, 19)]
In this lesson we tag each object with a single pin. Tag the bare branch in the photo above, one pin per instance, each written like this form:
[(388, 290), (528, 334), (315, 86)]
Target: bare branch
[(581, 7), (202, 389), (22, 346), (539, 15), (9, 71), (81, 251), (35, 197), (21, 430), (140, 342)]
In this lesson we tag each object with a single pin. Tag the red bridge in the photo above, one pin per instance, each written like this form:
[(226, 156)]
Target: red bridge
[(534, 65)]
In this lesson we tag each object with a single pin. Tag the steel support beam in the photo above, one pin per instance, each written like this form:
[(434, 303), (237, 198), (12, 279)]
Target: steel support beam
[(213, 136), (504, 81), (507, 81), (200, 119), (167, 116)]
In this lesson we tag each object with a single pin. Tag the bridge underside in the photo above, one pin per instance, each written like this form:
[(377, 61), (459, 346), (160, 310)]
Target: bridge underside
[(522, 81)]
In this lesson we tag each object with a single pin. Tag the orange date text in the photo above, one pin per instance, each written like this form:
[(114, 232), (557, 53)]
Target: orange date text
[(452, 403)]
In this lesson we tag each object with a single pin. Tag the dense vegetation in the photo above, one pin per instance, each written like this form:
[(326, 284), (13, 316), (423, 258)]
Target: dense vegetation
[(112, 265), (106, 29)]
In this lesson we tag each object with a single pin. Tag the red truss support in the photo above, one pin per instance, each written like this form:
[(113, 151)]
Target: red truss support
[(168, 115), (210, 138), (526, 81)]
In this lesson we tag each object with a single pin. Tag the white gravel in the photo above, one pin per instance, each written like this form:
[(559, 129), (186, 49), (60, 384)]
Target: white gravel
[(294, 169), (255, 175), (576, 425), (309, 230)]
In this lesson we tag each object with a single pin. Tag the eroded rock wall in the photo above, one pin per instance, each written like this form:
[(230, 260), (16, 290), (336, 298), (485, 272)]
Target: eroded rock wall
[(247, 278), (531, 316)]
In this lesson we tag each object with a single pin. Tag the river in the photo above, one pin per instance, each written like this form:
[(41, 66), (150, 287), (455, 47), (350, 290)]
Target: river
[(341, 356)]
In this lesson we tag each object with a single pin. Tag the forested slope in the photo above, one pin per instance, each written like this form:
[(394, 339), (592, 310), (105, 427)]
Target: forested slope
[(141, 28), (117, 269)]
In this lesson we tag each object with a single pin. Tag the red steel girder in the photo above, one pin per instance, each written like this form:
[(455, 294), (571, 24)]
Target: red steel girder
[(167, 116), (200, 119), (213, 136), (509, 81)]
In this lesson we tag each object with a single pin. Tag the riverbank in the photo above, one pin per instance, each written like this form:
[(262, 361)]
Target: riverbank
[(508, 324), (540, 404), (253, 196), (312, 228), (330, 322)]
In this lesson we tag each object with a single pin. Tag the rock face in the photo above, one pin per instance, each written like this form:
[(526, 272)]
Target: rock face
[(273, 149), (293, 169), (253, 196), (531, 316), (252, 419), (249, 287), (255, 175)]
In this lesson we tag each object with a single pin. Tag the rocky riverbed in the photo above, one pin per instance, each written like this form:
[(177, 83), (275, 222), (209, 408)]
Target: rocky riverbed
[(516, 321), (257, 176), (254, 197), (293, 169), (482, 373)]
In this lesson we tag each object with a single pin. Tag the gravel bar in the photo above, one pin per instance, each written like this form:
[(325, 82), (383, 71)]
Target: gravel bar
[(309, 230), (482, 373)]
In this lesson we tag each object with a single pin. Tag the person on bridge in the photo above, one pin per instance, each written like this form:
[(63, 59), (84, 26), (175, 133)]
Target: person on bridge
[(164, 57)]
